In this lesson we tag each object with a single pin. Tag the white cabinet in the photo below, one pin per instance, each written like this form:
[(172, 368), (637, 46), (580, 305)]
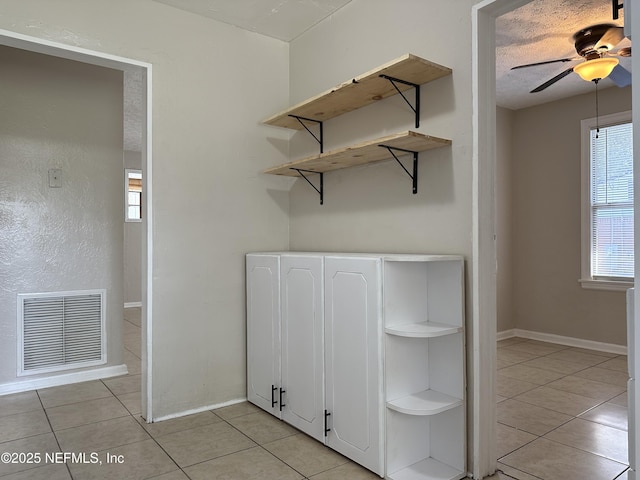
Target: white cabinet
[(424, 369), (302, 378), (365, 353), (353, 350), (263, 331), (285, 372)]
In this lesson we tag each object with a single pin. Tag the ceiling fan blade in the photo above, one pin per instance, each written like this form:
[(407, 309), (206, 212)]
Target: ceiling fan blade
[(548, 83), (545, 63), (620, 76), (623, 52), (611, 38)]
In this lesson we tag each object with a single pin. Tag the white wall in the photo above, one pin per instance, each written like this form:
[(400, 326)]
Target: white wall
[(59, 114), (212, 85), (546, 223), (372, 208), (504, 218)]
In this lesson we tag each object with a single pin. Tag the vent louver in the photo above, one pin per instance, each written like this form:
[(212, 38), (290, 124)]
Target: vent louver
[(60, 330)]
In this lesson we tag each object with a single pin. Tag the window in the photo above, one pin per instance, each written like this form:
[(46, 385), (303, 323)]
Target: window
[(133, 195), (607, 199)]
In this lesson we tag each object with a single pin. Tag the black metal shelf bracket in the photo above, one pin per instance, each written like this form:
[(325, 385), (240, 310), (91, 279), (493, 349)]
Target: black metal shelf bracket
[(617, 6), (416, 109), (319, 190), (414, 175), (319, 138)]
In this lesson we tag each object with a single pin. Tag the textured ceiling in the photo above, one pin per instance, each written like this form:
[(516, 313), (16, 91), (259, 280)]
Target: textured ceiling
[(542, 30)]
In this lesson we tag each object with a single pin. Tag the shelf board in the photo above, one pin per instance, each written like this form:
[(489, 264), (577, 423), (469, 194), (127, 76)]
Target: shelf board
[(428, 469), (399, 258), (360, 91), (422, 330), (428, 402), (360, 154)]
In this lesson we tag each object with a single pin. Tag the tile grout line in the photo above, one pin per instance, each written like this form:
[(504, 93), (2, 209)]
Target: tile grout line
[(55, 436), (262, 447), (574, 417), (526, 473), (155, 441)]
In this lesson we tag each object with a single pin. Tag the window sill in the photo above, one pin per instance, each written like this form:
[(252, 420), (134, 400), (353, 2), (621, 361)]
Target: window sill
[(613, 285)]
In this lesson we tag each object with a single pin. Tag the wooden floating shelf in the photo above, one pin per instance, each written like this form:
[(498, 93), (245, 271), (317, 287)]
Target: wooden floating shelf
[(422, 330), (428, 402), (360, 154), (360, 91)]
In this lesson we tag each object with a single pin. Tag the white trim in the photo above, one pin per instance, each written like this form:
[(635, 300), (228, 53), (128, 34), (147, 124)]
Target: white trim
[(132, 304), (562, 340), (632, 327), (47, 47), (64, 379), (199, 410), (586, 126), (483, 283), (147, 280), (63, 50), (506, 334), (612, 285)]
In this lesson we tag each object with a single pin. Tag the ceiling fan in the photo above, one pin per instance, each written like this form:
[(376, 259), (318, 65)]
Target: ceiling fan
[(595, 45)]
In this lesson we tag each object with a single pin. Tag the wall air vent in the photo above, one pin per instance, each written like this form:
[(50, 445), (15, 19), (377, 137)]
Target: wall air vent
[(60, 331)]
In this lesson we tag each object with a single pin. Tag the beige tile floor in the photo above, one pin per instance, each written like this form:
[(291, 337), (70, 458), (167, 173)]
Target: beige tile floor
[(239, 442), (562, 412), (562, 415)]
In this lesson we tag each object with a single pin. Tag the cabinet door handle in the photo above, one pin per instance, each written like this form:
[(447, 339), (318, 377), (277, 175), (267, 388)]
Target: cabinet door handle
[(273, 396), (326, 423), (282, 404)]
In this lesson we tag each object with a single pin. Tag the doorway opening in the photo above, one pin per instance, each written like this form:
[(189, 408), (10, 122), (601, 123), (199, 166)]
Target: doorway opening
[(485, 151), (53, 49)]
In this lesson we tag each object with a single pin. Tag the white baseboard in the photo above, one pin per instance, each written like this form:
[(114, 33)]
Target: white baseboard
[(132, 304), (64, 379), (503, 335), (561, 340), (198, 410)]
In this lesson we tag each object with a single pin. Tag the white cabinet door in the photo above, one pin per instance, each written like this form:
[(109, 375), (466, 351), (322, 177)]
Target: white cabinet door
[(302, 343), (353, 357), (263, 331)]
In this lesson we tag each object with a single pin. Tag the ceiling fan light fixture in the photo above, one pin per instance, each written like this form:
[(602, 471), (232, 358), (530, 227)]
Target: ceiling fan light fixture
[(596, 69)]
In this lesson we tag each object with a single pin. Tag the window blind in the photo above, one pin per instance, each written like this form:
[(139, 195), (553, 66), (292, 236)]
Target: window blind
[(612, 202)]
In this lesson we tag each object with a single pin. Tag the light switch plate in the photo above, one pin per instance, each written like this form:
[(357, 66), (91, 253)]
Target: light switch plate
[(55, 178)]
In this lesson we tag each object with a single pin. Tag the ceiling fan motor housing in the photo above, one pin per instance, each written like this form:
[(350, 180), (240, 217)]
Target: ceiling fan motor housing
[(586, 40)]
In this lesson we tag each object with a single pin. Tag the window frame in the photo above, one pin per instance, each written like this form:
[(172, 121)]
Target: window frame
[(586, 279), (127, 172)]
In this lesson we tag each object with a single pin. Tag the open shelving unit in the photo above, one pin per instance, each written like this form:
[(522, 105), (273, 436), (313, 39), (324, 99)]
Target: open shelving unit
[(422, 329), (395, 77), (428, 469), (427, 402), (424, 368)]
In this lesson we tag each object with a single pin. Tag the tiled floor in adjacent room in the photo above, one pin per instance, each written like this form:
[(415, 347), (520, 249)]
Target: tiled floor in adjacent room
[(237, 442), (562, 415), (562, 412)]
